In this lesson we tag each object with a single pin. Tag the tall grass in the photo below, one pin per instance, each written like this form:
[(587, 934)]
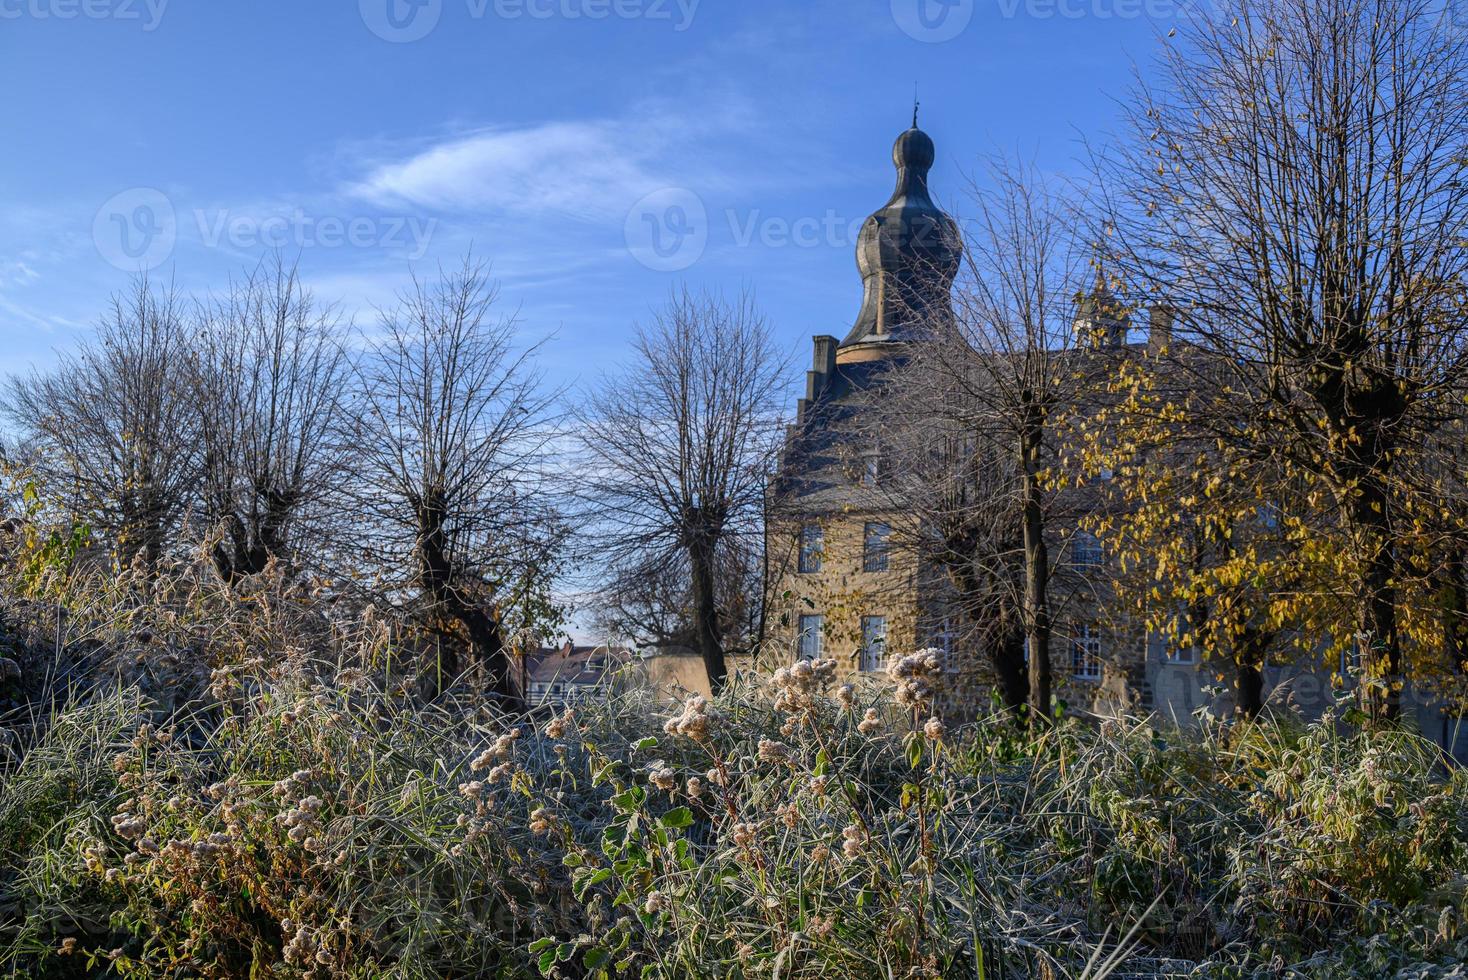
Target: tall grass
[(311, 815)]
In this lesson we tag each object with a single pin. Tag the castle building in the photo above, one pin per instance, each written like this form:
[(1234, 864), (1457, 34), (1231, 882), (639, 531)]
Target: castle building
[(841, 589), (844, 582)]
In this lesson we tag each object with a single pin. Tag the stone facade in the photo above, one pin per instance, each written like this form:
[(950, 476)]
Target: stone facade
[(836, 592)]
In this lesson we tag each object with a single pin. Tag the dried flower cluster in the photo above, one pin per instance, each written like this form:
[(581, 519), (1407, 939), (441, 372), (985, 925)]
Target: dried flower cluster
[(917, 678), (696, 721)]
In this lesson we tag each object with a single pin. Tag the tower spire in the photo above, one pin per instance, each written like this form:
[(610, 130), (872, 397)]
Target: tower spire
[(915, 104), (908, 253)]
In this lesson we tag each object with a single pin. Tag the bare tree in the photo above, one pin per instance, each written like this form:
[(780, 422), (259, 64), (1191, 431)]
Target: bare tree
[(1296, 178), (267, 380), (651, 602), (113, 427), (1000, 375), (954, 490), (678, 446), (452, 432)]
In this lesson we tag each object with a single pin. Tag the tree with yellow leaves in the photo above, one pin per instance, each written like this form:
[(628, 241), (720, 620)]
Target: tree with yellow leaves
[(1297, 182)]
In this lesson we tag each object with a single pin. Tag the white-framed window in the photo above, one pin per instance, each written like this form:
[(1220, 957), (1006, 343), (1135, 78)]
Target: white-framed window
[(875, 547), (1085, 653), (871, 468), (1175, 653), (811, 631), (873, 643), (1085, 550), (944, 640), (812, 548)]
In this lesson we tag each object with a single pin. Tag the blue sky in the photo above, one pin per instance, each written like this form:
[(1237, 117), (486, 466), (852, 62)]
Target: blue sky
[(557, 137)]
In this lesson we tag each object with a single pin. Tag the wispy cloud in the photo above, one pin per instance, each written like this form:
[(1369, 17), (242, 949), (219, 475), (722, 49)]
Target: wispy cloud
[(591, 170)]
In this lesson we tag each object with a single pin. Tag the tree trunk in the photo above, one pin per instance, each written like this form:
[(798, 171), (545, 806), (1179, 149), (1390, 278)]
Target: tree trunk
[(706, 613), (1009, 665), (1381, 660), (451, 602), (1007, 655), (1454, 598), (1249, 674), (1037, 580)]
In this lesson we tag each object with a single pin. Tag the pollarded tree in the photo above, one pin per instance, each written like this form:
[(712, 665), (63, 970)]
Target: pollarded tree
[(113, 427), (677, 447), (449, 441), (651, 603), (267, 380), (1214, 560), (1295, 177), (1004, 373), (953, 492)]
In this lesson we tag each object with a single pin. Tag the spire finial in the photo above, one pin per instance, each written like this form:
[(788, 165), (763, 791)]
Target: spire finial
[(915, 104)]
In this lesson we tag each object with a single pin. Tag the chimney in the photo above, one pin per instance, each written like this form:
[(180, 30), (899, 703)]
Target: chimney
[(823, 366), (1159, 330)]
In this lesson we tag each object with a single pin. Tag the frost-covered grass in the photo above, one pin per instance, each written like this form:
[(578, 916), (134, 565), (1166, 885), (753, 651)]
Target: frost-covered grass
[(306, 818)]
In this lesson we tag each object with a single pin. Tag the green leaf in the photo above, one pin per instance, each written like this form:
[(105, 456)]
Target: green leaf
[(914, 750), (546, 962), (643, 744), (677, 818), (627, 800), (595, 957)]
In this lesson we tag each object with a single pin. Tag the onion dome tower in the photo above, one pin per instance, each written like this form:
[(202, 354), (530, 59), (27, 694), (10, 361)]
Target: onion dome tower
[(908, 253)]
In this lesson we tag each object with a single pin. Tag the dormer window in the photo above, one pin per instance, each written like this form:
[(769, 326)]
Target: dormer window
[(871, 469)]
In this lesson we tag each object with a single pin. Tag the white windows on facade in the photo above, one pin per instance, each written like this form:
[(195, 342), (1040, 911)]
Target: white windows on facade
[(871, 469), (875, 547), (811, 630), (1085, 653), (873, 643), (812, 548), (944, 640), (1175, 653), (1085, 550)]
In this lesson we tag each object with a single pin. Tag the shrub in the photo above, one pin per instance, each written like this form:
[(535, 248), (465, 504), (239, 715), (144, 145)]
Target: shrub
[(306, 817)]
